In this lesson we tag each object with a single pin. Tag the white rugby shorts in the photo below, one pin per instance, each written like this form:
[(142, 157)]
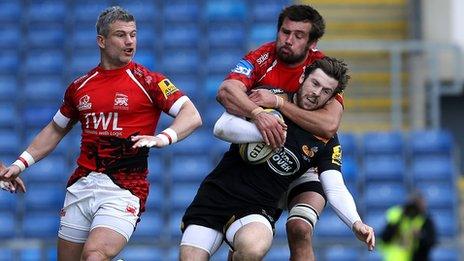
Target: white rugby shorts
[(95, 201)]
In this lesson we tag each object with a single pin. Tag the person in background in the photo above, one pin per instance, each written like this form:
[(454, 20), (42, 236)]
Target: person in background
[(410, 232), (118, 104)]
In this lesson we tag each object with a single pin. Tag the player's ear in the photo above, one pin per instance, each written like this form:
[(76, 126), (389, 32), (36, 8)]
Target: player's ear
[(101, 41)]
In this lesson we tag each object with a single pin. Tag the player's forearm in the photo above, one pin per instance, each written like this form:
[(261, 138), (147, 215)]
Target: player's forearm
[(323, 122), (187, 120), (232, 95), (339, 197), (46, 141), (233, 129)]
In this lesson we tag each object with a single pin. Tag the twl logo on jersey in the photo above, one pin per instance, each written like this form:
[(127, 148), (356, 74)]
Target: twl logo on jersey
[(121, 102)]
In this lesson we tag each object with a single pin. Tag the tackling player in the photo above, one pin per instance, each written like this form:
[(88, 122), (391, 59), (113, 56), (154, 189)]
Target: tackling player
[(118, 105), (238, 202), (281, 64)]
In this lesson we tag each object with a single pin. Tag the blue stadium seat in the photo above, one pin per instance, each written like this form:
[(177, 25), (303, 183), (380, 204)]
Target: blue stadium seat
[(181, 35), (145, 58), (221, 254), (10, 34), (142, 10), (48, 228), (10, 141), (10, 11), (48, 196), (45, 37), (175, 220), (38, 116), (47, 11), (383, 195), (197, 142), (262, 33), (188, 84), (280, 227), (446, 223), (8, 202), (151, 226), (6, 254), (42, 89), (173, 254), (384, 167), (8, 221), (349, 169), (277, 253), (84, 38), (372, 255), (349, 142), (44, 62), (186, 168), (9, 62), (181, 61), (8, 88), (439, 195), (156, 197), (212, 85), (30, 253), (185, 11), (51, 253), (141, 253), (267, 11), (83, 61), (86, 12), (8, 116), (442, 253), (330, 226), (341, 253), (157, 166), (383, 143), (50, 169), (183, 194), (226, 10), (430, 168), (226, 37), (146, 37), (430, 141), (376, 219), (223, 62)]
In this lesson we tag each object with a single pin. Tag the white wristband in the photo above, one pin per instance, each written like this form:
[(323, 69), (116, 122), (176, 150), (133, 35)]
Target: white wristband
[(168, 136), (24, 160)]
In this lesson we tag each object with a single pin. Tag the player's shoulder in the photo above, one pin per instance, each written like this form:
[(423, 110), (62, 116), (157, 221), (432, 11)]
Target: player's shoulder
[(263, 53), (314, 54), (83, 78), (145, 76)]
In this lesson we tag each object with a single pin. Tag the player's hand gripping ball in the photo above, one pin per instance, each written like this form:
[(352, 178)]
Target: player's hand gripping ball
[(258, 152)]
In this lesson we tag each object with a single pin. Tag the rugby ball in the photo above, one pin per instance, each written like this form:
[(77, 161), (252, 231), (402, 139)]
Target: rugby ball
[(258, 152)]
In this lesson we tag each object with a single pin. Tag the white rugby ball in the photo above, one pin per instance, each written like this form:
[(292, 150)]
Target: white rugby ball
[(255, 152), (258, 152)]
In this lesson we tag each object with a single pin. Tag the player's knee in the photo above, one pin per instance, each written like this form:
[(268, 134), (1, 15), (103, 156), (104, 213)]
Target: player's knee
[(95, 255), (297, 229), (249, 253)]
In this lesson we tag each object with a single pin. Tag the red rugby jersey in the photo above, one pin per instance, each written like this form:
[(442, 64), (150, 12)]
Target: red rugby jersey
[(261, 67), (112, 106)]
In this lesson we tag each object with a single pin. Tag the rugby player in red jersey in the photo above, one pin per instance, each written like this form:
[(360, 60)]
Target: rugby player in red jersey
[(118, 104)]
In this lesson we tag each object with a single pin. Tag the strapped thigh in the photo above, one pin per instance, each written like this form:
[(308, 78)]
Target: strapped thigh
[(202, 237)]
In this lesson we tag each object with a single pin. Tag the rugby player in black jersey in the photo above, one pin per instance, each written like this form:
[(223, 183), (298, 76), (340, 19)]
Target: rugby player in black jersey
[(238, 202)]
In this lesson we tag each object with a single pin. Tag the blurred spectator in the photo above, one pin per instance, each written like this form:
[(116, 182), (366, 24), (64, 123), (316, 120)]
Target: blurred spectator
[(410, 231)]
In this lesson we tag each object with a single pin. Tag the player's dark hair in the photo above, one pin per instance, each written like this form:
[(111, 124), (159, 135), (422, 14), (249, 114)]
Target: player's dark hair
[(304, 13), (111, 15), (334, 68)]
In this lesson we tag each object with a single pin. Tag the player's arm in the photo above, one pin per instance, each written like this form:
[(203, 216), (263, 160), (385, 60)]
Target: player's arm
[(234, 129), (185, 122), (232, 95), (338, 195), (323, 122), (44, 143)]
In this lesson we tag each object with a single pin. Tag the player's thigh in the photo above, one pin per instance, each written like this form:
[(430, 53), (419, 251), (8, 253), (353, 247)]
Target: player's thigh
[(104, 241), (69, 250), (314, 199), (251, 233), (199, 241)]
